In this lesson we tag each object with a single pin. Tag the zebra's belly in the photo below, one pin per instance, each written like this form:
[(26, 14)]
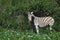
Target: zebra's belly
[(43, 24)]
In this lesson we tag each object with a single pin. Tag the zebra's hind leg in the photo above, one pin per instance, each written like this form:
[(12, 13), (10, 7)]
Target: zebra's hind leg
[(37, 29)]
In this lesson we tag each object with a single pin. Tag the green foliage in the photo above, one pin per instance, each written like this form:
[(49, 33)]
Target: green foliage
[(9, 34), (13, 13), (58, 1)]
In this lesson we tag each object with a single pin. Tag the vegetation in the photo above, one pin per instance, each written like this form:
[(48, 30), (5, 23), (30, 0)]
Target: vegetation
[(6, 34), (14, 21)]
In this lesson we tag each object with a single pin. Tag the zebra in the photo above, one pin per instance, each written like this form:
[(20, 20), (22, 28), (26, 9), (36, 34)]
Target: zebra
[(41, 21)]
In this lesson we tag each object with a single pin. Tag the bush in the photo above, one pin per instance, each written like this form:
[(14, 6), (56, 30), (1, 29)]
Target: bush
[(13, 14)]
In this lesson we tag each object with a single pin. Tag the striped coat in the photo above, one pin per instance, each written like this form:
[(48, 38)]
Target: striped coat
[(42, 21)]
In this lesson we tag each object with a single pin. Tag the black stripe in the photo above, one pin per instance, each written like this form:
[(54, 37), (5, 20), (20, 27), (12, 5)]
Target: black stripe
[(50, 20), (46, 19)]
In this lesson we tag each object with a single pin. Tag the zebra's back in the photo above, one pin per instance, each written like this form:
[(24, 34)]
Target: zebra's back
[(43, 21)]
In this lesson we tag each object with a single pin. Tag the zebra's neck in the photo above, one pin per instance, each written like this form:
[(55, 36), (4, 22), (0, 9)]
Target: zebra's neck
[(32, 21)]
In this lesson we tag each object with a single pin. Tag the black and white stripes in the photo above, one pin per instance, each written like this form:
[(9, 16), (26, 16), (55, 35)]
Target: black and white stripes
[(41, 21)]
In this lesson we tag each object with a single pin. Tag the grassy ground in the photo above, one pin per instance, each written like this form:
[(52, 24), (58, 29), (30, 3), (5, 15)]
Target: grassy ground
[(9, 34)]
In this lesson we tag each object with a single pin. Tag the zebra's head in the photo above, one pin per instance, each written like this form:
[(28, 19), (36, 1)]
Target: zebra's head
[(30, 15)]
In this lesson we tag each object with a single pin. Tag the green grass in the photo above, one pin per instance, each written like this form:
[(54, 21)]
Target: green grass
[(9, 34)]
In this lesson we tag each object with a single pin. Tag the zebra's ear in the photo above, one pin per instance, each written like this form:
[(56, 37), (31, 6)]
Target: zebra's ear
[(31, 12)]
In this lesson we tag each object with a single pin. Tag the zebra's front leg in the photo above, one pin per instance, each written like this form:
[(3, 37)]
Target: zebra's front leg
[(50, 27), (37, 29)]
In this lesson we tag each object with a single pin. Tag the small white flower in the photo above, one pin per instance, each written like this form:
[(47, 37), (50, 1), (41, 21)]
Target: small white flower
[(18, 34), (12, 30), (44, 38), (30, 36), (8, 38), (49, 38)]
